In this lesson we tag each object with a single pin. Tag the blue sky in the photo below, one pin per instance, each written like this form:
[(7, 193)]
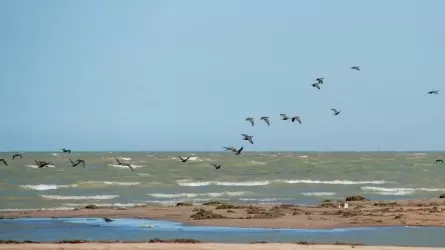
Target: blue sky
[(183, 75)]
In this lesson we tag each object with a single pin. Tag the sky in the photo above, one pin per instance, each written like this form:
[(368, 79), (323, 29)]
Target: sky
[(140, 75)]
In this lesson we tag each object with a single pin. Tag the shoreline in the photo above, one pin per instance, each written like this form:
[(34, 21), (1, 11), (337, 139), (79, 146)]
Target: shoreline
[(324, 215)]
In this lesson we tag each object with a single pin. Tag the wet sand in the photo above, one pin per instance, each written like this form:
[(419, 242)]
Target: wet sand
[(206, 246), (425, 212)]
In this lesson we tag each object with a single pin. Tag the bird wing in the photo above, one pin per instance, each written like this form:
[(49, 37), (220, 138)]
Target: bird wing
[(3, 160), (117, 160), (298, 119), (267, 121), (317, 86), (83, 163), (335, 111), (241, 149), (187, 158), (129, 165), (252, 121), (180, 158), (250, 139), (283, 115), (245, 135)]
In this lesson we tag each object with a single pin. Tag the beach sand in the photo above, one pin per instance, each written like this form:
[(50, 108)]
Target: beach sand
[(425, 212), (203, 246)]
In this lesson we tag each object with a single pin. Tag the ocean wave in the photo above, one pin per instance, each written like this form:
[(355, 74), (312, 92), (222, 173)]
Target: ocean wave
[(107, 183), (35, 166), (93, 197), (334, 182), (125, 167), (193, 195), (319, 194), (400, 191), (104, 204), (187, 183), (42, 187), (34, 209), (258, 162)]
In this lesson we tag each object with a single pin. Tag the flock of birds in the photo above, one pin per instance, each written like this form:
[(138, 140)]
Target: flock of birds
[(318, 82)]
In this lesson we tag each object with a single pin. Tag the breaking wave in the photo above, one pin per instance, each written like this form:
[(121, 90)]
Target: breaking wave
[(93, 197)]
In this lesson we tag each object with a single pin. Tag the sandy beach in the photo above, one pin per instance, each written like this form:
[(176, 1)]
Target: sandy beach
[(204, 246), (425, 212)]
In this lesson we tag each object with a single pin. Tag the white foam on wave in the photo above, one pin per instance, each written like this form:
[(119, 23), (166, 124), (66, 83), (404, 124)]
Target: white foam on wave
[(125, 167), (400, 191), (35, 166), (319, 194), (93, 197), (188, 183), (114, 183), (334, 182), (42, 187), (104, 204), (34, 209), (193, 195), (258, 162)]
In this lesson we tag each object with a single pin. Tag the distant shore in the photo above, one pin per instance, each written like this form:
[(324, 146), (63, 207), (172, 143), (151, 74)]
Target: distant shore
[(324, 215)]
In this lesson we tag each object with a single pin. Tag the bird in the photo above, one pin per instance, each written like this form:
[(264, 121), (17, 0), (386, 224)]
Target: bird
[(64, 150), (320, 80), (17, 155), (42, 164), (216, 166), (355, 68), (250, 119), (436, 92), (4, 161), (238, 152), (266, 119), (336, 112), (124, 164), (439, 160), (284, 117), (75, 163), (248, 138), (296, 118), (231, 148), (316, 85), (107, 219), (184, 160)]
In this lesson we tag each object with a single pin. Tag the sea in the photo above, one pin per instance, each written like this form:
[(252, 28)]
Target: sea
[(160, 178)]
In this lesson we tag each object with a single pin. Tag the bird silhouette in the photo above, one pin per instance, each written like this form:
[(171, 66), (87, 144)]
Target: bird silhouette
[(316, 85), (216, 166), (435, 92), (336, 112), (296, 118), (284, 117), (4, 161), (266, 119), (126, 164), (64, 150), (251, 120), (17, 155), (238, 152), (184, 159), (355, 68), (248, 138)]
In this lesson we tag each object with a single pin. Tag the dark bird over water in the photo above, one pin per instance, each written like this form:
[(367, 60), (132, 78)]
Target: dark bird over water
[(184, 160), (64, 150), (336, 112), (42, 164), (355, 68), (316, 85), (124, 164), (75, 163), (320, 80), (248, 138), (231, 148), (216, 166), (296, 118), (284, 117), (250, 119), (435, 92), (266, 119), (4, 162), (17, 155), (439, 160), (238, 152), (107, 219)]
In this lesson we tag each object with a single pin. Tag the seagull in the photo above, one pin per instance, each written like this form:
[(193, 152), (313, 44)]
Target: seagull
[(17, 155), (238, 152), (320, 80), (355, 68), (248, 138), (75, 163), (335, 111), (216, 166), (284, 117), (42, 164), (124, 164), (4, 162), (439, 160), (184, 160), (436, 92), (64, 150), (296, 118), (250, 119), (231, 148), (107, 219), (316, 85), (266, 119)]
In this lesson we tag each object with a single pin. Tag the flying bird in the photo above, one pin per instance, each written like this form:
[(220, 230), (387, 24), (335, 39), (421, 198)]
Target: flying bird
[(17, 155), (248, 138), (238, 152), (320, 80), (355, 68), (436, 92), (64, 150), (296, 118), (336, 112), (107, 219), (42, 164), (284, 117), (4, 162), (316, 85), (124, 164), (75, 163), (216, 166), (231, 148), (250, 119), (266, 119), (439, 160), (184, 160)]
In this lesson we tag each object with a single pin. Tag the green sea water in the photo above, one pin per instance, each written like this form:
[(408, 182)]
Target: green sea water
[(254, 177)]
